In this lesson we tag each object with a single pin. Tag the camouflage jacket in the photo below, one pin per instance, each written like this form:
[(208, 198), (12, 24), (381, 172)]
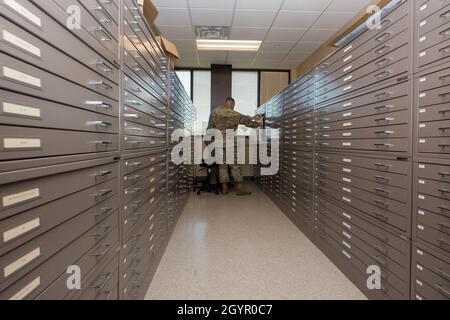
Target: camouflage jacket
[(229, 119)]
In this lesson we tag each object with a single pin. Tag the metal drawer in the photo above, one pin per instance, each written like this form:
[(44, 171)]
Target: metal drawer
[(103, 285), (135, 143), (383, 190), (52, 273), (346, 218), (23, 227), (392, 38), (433, 204), (104, 35), (432, 269), (22, 260), (22, 142), (434, 37), (387, 132), (106, 13), (392, 18), (426, 8), (129, 180), (148, 187), (22, 110), (434, 129), (363, 256), (398, 219), (433, 21), (46, 57), (434, 145), (434, 96), (19, 77), (387, 145), (40, 24), (21, 196), (379, 69), (433, 171), (439, 52), (136, 89), (135, 129), (433, 228), (134, 164), (395, 70), (137, 111), (396, 119)]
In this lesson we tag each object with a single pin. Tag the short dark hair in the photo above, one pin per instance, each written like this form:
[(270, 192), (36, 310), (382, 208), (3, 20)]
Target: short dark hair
[(230, 99)]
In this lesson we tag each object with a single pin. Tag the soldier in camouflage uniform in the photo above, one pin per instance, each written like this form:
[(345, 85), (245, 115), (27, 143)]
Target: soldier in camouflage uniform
[(225, 119)]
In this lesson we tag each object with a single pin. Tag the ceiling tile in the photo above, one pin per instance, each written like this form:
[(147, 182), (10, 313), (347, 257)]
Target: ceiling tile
[(185, 44), (271, 55), (279, 46), (307, 46), (212, 4), (333, 20), (290, 64), (295, 19), (187, 63), (318, 34), (349, 6), (177, 32), (307, 5), (285, 34), (259, 4), (234, 56), (266, 64), (170, 3), (248, 33), (173, 17), (293, 56), (187, 54), (253, 18), (211, 17)]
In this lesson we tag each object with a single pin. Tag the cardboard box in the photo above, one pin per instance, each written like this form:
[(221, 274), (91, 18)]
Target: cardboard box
[(149, 10), (170, 49)]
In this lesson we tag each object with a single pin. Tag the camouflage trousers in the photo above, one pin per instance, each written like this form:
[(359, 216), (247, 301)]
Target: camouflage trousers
[(236, 170)]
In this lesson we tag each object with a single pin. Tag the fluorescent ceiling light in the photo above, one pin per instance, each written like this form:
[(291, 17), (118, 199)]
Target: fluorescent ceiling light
[(228, 45)]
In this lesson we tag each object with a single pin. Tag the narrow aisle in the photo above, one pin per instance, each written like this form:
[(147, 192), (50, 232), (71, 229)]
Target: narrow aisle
[(229, 247)]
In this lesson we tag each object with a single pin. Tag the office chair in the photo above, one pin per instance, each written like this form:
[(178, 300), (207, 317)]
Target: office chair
[(207, 186)]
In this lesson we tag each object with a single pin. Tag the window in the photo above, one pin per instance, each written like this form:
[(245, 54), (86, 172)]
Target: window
[(245, 92), (185, 78), (202, 99)]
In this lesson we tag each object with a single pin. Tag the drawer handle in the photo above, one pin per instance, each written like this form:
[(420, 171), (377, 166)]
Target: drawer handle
[(103, 193), (104, 252), (388, 106), (103, 173), (104, 143), (386, 145), (445, 14), (445, 49), (384, 119), (135, 177), (382, 191), (135, 129), (101, 30), (102, 212), (443, 242), (442, 273), (323, 144), (382, 37), (99, 104), (444, 111), (444, 128), (100, 83), (381, 204), (381, 216), (444, 208), (445, 174), (382, 165), (382, 178), (444, 94), (443, 290), (445, 32), (106, 68), (131, 116), (380, 261), (444, 225), (107, 276), (444, 145), (135, 142), (102, 123), (383, 74), (134, 102), (380, 248), (382, 62), (133, 190), (133, 164), (445, 77), (384, 132), (380, 237), (383, 49), (106, 19)]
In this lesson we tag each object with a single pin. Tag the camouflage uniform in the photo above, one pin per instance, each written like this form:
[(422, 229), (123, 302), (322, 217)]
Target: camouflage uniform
[(229, 119)]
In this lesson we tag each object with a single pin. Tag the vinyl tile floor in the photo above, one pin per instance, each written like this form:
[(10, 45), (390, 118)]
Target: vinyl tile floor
[(229, 247)]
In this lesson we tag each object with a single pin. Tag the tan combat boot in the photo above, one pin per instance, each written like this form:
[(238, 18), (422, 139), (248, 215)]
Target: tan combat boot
[(240, 189), (224, 188)]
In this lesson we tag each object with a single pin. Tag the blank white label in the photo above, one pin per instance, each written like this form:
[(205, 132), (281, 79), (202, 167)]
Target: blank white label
[(24, 12), (421, 166), (419, 267), (346, 244), (347, 68), (346, 235), (423, 79), (347, 88), (20, 110), (347, 144), (12, 199), (25, 291), (346, 254), (21, 143), (422, 141), (422, 54), (345, 224), (422, 39), (347, 134), (21, 262), (348, 78), (421, 197), (422, 95), (21, 77), (422, 110), (422, 125), (347, 124), (22, 44), (347, 190), (348, 114), (346, 105), (153, 190), (348, 48), (421, 181), (422, 213), (346, 215), (424, 22), (347, 160), (347, 170), (21, 229), (420, 227), (347, 180), (346, 199)]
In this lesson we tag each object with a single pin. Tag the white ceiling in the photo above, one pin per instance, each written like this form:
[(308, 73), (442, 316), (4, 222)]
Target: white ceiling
[(290, 29)]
